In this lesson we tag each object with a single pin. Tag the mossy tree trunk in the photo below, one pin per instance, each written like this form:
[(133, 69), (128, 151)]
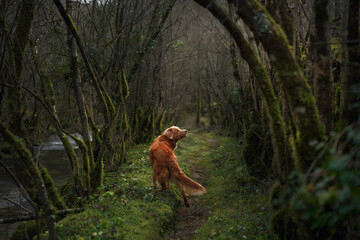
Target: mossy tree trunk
[(88, 158), (280, 11), (109, 111), (281, 147), (26, 170), (30, 177), (108, 106), (309, 128), (49, 100), (16, 56)]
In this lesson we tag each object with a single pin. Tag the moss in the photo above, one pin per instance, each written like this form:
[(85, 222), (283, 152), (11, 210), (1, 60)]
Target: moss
[(95, 134), (109, 104), (27, 230), (159, 122), (144, 129), (86, 162), (275, 196), (125, 207), (124, 125), (73, 160), (70, 152), (293, 83), (26, 169), (70, 194), (72, 24), (52, 192), (246, 210), (124, 87)]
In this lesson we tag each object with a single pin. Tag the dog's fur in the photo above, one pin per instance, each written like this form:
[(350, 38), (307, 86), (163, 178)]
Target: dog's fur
[(165, 165)]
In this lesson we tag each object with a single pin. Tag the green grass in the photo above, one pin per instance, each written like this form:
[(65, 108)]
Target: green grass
[(238, 203), (125, 207)]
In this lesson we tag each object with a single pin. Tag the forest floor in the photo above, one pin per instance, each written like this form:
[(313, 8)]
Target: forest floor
[(235, 205), (188, 220)]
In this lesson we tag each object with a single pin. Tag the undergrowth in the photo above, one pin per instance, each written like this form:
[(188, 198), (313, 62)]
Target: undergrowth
[(126, 207), (238, 203)]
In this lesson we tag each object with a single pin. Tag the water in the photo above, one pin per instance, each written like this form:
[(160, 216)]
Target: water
[(53, 157)]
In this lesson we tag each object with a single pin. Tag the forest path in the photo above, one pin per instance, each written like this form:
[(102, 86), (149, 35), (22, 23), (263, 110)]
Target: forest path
[(188, 220)]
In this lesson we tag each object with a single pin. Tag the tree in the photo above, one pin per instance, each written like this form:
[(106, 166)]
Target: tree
[(320, 49), (350, 63)]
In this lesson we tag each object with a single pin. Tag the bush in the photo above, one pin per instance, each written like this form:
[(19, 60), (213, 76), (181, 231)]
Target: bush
[(327, 201)]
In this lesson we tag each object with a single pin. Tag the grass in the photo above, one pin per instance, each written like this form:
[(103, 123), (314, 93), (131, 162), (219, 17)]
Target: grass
[(125, 207), (238, 203)]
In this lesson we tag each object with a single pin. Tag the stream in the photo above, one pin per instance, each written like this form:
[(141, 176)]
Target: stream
[(53, 157)]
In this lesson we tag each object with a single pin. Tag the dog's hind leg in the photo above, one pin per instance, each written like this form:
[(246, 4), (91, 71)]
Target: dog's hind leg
[(186, 201), (154, 177), (163, 179)]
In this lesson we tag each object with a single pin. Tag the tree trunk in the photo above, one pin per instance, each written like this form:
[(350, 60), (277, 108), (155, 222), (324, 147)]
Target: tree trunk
[(108, 107), (30, 177), (350, 69), (320, 50), (281, 148), (279, 9), (16, 56), (309, 128), (88, 161), (47, 89)]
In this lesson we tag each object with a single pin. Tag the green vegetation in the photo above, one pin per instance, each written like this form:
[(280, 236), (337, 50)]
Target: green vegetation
[(125, 207), (238, 204)]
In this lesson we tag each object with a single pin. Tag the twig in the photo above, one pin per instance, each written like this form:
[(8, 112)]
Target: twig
[(16, 203)]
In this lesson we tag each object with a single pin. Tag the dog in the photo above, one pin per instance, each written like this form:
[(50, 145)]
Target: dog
[(165, 165)]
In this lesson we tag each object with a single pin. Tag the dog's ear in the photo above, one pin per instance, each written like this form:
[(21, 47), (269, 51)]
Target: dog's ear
[(169, 133)]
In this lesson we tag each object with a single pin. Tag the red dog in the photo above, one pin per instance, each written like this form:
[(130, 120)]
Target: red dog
[(165, 165)]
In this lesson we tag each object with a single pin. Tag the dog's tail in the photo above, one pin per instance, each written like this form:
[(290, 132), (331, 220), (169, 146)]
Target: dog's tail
[(185, 183)]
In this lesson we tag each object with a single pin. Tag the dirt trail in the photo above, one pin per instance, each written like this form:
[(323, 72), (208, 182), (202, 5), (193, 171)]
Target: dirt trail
[(188, 220)]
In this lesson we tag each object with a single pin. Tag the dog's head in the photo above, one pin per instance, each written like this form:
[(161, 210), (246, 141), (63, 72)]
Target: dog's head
[(175, 133)]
